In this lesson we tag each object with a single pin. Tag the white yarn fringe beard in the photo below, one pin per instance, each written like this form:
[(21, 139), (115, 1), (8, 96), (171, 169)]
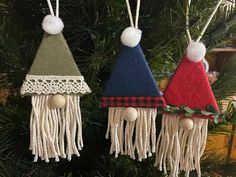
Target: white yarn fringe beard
[(178, 149), (55, 132), (130, 137)]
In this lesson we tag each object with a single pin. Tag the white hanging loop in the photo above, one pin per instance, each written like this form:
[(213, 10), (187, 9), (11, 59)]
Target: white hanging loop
[(196, 50), (187, 21), (207, 23), (53, 24), (51, 8), (209, 20), (57, 8), (131, 36), (131, 16), (137, 14)]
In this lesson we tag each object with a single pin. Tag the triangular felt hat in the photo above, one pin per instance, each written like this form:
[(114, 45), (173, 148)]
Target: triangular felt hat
[(54, 70), (189, 86), (131, 82)]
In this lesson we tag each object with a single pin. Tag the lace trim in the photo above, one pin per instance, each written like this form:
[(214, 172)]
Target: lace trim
[(35, 84)]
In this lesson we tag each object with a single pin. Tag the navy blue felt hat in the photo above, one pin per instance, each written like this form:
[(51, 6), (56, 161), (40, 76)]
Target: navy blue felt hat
[(131, 82)]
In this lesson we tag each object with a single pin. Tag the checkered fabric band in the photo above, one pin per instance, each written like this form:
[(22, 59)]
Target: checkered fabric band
[(133, 101)]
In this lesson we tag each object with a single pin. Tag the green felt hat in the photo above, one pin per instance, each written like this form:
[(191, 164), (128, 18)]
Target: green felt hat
[(54, 70)]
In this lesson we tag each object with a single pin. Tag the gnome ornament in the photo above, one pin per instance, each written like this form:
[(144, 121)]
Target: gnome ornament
[(183, 136), (55, 84), (132, 96)]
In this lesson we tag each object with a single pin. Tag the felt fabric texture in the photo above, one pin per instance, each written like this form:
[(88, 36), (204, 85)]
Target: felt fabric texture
[(145, 102), (189, 86), (54, 70), (54, 58), (55, 132), (131, 75)]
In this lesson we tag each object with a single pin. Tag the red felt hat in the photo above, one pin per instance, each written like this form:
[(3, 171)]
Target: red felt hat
[(189, 86)]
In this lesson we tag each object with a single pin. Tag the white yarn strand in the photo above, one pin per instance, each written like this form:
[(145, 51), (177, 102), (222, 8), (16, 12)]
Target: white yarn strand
[(49, 127), (209, 20), (153, 129), (130, 13), (187, 21), (179, 149), (80, 142), (62, 123), (207, 23), (122, 133), (57, 8), (149, 133), (131, 16), (51, 8), (137, 14)]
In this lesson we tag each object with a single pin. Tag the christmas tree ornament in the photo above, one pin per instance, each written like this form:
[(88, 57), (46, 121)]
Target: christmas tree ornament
[(190, 104), (132, 96), (55, 84), (183, 136)]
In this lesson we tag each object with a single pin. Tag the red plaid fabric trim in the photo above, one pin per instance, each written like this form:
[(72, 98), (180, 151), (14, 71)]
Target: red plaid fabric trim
[(133, 101)]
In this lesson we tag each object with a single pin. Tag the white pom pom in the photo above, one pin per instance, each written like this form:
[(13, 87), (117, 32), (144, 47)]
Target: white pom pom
[(130, 114), (52, 24), (131, 36), (186, 123), (58, 101), (196, 51)]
